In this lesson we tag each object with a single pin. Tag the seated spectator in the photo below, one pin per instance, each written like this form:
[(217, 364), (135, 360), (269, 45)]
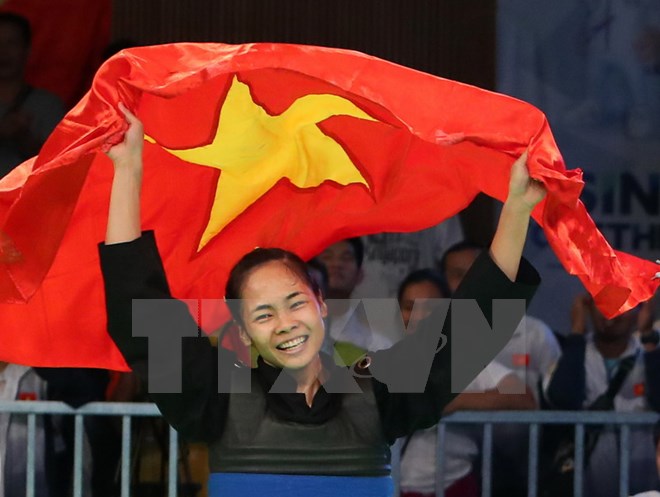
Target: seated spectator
[(27, 114), (346, 317), (21, 383), (582, 376), (390, 257), (533, 348), (101, 441), (416, 296), (530, 353)]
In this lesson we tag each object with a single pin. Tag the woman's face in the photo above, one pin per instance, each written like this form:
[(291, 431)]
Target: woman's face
[(417, 302), (282, 317)]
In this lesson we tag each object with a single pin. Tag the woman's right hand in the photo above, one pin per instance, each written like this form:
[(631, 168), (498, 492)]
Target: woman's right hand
[(124, 210), (128, 153)]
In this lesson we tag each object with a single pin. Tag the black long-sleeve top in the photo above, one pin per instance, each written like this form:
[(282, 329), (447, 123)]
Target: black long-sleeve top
[(134, 270)]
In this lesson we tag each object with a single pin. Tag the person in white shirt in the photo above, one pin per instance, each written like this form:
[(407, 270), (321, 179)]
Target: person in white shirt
[(530, 353), (582, 375), (489, 390), (20, 383), (347, 317)]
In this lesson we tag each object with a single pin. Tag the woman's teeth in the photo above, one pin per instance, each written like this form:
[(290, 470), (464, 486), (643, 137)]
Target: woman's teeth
[(289, 344)]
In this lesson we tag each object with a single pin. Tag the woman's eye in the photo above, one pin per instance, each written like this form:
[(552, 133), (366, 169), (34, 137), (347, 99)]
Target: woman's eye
[(262, 317), (298, 304)]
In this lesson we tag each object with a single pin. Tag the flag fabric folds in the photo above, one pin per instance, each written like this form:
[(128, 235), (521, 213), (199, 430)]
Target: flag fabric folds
[(268, 145)]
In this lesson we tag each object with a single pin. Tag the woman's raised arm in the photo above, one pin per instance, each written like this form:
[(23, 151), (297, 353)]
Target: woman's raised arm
[(509, 240), (124, 211)]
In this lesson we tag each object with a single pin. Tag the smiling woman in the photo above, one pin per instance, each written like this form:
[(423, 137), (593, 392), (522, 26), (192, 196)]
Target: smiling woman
[(279, 308), (306, 426)]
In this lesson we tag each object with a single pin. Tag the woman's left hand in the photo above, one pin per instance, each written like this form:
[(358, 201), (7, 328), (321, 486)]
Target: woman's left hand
[(524, 191)]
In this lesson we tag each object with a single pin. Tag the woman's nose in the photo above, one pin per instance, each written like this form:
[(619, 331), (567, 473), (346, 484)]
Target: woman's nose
[(286, 322)]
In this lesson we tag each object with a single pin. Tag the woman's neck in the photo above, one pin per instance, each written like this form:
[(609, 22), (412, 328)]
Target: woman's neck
[(308, 379)]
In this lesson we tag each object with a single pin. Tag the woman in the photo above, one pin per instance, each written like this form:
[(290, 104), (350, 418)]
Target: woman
[(312, 439)]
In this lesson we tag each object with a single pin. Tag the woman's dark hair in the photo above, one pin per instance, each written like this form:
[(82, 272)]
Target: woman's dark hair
[(20, 23), (253, 260), (431, 275)]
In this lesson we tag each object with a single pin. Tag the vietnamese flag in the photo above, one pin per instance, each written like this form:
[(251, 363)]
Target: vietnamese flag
[(267, 145)]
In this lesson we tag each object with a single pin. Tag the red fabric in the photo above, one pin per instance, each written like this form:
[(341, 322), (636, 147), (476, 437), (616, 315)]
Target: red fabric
[(434, 145), (68, 39)]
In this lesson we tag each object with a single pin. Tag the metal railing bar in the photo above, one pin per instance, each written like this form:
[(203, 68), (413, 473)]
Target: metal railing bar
[(486, 468), (532, 468), (173, 467), (553, 417), (78, 455), (125, 456), (481, 417), (93, 408), (31, 447), (624, 461), (578, 460)]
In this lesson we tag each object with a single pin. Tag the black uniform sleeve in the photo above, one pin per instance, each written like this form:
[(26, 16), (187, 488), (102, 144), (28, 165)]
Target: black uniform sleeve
[(403, 413), (133, 270)]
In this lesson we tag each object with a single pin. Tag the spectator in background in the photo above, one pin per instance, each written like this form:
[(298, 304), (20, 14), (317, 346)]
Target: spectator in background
[(319, 273), (533, 348), (530, 353), (417, 297), (347, 318), (21, 383), (390, 257), (102, 441), (457, 260), (27, 114), (583, 374)]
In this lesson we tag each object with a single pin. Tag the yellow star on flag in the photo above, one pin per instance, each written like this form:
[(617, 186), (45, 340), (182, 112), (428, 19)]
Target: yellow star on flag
[(255, 150)]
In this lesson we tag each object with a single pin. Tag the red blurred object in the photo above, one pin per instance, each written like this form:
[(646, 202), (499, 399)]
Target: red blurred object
[(68, 40)]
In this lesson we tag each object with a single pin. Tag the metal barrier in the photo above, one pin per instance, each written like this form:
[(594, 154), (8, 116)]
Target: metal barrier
[(126, 411), (534, 419)]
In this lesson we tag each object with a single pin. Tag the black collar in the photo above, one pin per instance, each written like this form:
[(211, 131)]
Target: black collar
[(292, 406)]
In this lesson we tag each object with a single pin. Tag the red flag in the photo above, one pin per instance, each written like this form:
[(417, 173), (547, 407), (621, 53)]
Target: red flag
[(268, 145)]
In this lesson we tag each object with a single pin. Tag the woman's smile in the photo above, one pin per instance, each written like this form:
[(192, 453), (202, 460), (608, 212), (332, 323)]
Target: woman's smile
[(293, 345)]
